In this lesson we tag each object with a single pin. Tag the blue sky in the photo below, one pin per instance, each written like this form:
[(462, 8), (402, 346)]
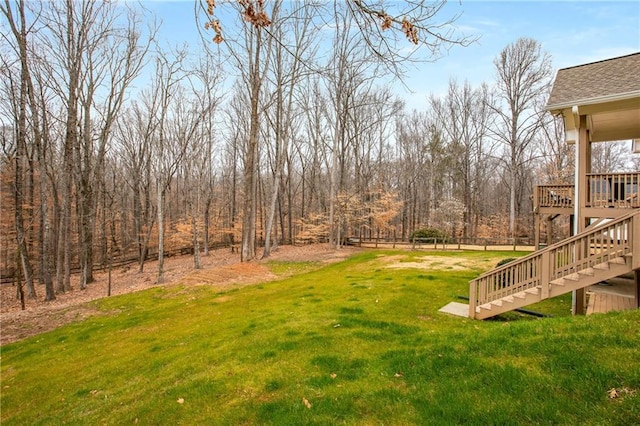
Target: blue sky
[(573, 32)]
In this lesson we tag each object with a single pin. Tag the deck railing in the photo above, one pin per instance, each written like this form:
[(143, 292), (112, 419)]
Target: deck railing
[(590, 248), (613, 190), (604, 190), (554, 196)]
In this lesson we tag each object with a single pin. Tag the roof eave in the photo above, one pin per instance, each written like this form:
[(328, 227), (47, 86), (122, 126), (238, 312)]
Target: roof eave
[(559, 107)]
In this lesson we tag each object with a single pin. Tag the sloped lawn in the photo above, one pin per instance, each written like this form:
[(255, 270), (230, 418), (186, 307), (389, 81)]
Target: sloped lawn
[(359, 342)]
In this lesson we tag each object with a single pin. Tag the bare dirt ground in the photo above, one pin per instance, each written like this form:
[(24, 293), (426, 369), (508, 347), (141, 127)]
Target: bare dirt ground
[(220, 268), (439, 263)]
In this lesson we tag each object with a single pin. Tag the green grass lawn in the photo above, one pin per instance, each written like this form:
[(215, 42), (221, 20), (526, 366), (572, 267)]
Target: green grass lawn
[(352, 343)]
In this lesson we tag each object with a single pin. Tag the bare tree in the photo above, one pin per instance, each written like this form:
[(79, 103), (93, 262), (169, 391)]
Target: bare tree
[(350, 71), (423, 161), (237, 118), (134, 135), (556, 156), (287, 70), (312, 149), (523, 75), (197, 129), (414, 20), (20, 96), (174, 130), (207, 76), (114, 57), (369, 127), (66, 42), (464, 114), (608, 156), (251, 50)]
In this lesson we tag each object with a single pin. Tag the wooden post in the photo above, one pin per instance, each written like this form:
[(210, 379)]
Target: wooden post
[(472, 299), (583, 166), (636, 276), (545, 274), (549, 230), (634, 240)]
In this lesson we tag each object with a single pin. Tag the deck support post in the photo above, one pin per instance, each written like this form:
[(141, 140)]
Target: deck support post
[(536, 231), (635, 257), (550, 230), (636, 275), (635, 243), (582, 167)]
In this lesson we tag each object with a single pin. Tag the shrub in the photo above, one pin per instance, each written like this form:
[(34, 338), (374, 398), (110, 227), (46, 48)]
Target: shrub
[(505, 261), (428, 234)]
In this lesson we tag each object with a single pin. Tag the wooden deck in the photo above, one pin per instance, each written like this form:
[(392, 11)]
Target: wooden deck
[(616, 295)]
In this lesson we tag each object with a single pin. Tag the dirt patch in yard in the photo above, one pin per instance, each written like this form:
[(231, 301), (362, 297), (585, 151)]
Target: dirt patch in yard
[(438, 263)]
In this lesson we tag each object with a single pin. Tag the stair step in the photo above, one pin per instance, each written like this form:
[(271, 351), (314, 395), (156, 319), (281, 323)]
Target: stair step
[(534, 290), (588, 271), (508, 299), (602, 266), (520, 295), (557, 281), (573, 277), (497, 302), (618, 260), (486, 306)]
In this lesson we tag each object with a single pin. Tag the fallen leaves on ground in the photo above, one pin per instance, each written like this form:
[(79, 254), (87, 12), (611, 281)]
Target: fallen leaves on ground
[(614, 393)]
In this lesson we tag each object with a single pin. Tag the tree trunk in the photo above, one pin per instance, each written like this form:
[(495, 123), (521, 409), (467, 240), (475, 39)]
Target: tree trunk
[(196, 242), (207, 208), (271, 214), (248, 250), (20, 34), (160, 207), (25, 262), (45, 226)]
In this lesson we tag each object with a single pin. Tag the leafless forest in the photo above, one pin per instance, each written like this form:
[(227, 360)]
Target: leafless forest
[(117, 148)]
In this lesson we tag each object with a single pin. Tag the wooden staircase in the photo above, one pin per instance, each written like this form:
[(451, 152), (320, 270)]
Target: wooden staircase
[(599, 253)]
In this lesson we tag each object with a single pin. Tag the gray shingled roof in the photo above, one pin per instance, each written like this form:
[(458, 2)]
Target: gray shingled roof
[(606, 78)]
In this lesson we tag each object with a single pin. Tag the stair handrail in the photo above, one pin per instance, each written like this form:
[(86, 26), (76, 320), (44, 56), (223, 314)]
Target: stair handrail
[(534, 272)]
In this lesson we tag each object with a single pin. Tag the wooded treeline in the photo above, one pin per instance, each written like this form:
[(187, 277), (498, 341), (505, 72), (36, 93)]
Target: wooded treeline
[(114, 146)]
